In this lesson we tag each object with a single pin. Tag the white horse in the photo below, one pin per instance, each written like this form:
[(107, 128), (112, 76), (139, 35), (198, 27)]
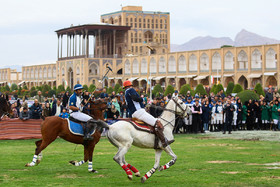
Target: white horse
[(122, 135)]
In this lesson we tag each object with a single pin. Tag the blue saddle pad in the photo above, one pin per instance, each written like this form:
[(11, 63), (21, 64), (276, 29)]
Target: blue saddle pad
[(76, 128)]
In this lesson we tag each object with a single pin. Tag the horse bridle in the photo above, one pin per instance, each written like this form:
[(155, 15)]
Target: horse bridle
[(174, 112)]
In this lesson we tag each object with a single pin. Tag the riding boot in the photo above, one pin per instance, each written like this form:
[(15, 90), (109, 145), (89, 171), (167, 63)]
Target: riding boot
[(159, 133)]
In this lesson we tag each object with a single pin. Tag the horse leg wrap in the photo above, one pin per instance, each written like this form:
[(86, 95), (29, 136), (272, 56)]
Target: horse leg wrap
[(33, 160), (132, 168), (89, 166), (127, 170), (150, 173), (79, 163)]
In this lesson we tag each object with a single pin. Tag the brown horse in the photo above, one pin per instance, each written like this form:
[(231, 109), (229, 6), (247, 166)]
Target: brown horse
[(54, 126), (5, 107)]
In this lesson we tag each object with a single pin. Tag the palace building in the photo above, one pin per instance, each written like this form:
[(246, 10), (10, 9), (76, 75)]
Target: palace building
[(136, 45)]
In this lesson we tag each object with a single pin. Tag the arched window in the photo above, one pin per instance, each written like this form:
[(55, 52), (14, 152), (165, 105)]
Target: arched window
[(27, 74), (270, 59), (242, 60), (144, 66), (216, 62), (127, 68), (172, 65), (182, 64), (153, 65), (78, 71), (256, 62), (49, 72), (40, 73), (135, 66), (229, 62), (54, 72), (204, 62), (162, 65), (31, 74), (45, 72), (148, 36), (36, 73), (62, 71), (93, 69), (192, 63)]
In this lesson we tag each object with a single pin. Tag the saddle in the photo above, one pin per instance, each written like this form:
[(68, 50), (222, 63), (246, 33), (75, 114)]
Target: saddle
[(76, 127), (141, 125), (76, 120)]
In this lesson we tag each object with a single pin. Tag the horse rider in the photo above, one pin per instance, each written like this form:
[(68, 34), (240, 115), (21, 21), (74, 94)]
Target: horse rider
[(136, 108), (75, 111)]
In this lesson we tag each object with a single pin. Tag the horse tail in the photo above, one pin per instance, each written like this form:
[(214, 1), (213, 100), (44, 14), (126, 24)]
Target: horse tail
[(103, 125)]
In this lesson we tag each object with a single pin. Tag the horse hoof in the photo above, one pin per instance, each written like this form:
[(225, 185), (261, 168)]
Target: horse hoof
[(38, 162), (161, 168), (94, 171), (129, 177), (137, 174), (28, 165), (72, 162), (143, 179)]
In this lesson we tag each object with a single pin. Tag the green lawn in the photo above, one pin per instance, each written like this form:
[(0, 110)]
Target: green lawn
[(201, 161)]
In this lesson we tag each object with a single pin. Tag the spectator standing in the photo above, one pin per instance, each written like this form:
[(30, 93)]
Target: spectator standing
[(196, 112), (65, 99), (206, 115), (265, 115), (116, 104), (276, 94), (104, 95), (36, 110), (275, 114), (24, 115), (39, 97), (268, 96), (14, 111), (57, 108), (229, 109), (239, 114)]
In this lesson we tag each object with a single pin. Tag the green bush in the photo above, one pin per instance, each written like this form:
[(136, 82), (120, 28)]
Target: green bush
[(14, 87), (68, 89), (121, 89), (33, 93), (237, 88), (116, 88), (60, 89), (25, 87), (200, 89), (229, 88), (184, 89), (91, 88), (85, 87), (51, 93), (247, 95), (110, 90), (39, 88), (259, 90), (214, 89), (7, 88), (169, 90), (32, 88), (157, 90), (219, 88)]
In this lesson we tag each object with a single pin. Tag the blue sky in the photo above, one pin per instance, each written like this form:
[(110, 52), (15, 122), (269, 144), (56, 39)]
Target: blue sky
[(27, 27)]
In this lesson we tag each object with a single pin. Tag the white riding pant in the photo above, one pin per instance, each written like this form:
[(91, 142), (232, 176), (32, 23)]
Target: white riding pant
[(144, 116), (80, 116)]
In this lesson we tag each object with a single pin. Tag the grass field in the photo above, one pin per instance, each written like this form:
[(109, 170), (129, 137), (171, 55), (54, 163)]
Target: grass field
[(201, 161)]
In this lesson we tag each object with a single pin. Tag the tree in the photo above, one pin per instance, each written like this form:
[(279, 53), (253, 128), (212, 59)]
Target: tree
[(200, 89), (117, 86), (25, 87), (214, 89), (14, 87), (219, 88), (32, 88), (110, 90), (60, 89), (19, 90), (246, 95), (259, 90), (91, 88), (51, 93), (54, 88), (229, 88), (169, 90), (120, 89), (157, 90), (7, 88), (237, 88), (33, 93), (45, 91), (184, 89), (85, 87), (68, 89)]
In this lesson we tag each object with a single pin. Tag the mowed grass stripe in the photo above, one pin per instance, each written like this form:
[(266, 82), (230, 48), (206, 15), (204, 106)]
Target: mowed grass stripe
[(202, 161)]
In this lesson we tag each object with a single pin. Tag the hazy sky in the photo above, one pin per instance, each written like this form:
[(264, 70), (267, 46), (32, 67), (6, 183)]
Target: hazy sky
[(27, 27)]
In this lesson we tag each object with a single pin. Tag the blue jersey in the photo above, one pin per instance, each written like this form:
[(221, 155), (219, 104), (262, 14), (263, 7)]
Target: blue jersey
[(132, 104), (75, 101)]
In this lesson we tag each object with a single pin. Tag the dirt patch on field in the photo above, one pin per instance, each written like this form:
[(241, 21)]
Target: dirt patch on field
[(67, 176), (223, 162), (272, 167), (275, 177), (233, 172), (98, 176), (18, 170), (220, 144)]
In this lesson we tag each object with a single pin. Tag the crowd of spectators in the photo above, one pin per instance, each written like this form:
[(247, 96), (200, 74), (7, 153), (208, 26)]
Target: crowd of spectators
[(208, 112)]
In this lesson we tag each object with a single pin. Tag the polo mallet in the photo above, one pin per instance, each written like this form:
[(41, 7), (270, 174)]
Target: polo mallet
[(108, 70)]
